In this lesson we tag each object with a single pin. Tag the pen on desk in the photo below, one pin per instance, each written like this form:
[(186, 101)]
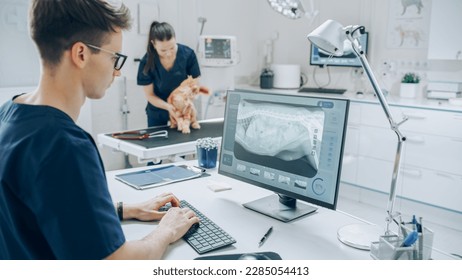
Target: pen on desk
[(415, 228), (263, 239), (200, 168), (421, 239), (401, 226)]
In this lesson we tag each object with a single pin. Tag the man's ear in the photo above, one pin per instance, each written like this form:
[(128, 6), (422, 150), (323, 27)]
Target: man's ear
[(79, 54)]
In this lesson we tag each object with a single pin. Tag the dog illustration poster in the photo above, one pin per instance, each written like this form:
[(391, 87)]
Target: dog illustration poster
[(408, 24)]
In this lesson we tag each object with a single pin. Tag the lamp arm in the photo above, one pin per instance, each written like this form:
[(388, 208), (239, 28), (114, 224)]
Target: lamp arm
[(393, 125)]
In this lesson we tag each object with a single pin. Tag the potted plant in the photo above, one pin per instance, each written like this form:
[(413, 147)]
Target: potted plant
[(207, 152), (409, 85)]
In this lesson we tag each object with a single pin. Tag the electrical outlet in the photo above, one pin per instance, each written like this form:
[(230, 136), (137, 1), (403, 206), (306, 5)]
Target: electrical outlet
[(388, 67)]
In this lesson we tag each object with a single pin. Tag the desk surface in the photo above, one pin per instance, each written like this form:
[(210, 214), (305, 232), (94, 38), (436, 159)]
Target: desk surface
[(311, 237), (177, 143)]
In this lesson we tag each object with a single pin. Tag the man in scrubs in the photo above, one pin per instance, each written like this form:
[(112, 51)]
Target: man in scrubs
[(54, 199)]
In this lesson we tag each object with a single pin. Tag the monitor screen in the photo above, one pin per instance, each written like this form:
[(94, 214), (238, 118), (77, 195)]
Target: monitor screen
[(289, 144), (349, 58), (217, 50)]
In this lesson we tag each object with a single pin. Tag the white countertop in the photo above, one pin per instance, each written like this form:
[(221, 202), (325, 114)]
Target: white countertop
[(368, 97)]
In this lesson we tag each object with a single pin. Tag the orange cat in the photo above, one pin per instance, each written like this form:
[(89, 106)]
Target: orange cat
[(182, 100)]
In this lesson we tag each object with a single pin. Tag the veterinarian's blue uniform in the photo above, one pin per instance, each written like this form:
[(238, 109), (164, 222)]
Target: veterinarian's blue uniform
[(54, 198), (166, 81)]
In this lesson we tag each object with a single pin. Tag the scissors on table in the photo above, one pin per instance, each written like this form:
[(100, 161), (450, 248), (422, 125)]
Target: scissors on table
[(139, 134)]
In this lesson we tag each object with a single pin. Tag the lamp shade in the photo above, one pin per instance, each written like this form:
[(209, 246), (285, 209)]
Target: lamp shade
[(329, 37)]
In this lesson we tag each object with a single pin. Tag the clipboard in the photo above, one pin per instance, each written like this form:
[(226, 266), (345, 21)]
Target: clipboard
[(156, 177)]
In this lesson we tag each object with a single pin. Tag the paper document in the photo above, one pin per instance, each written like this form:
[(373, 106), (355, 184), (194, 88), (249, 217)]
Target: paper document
[(159, 176)]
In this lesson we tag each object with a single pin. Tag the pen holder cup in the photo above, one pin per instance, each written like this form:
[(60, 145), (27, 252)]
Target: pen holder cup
[(207, 158), (389, 247)]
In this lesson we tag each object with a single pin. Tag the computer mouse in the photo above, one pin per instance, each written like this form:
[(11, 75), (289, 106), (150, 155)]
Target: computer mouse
[(254, 257)]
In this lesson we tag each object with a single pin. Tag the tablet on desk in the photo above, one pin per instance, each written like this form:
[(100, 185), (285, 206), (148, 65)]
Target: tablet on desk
[(155, 177)]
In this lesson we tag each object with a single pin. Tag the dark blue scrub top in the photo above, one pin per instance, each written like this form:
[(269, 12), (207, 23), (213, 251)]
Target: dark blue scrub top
[(166, 81), (54, 199)]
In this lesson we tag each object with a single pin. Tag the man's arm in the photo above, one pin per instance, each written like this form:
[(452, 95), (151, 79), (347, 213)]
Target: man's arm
[(172, 227)]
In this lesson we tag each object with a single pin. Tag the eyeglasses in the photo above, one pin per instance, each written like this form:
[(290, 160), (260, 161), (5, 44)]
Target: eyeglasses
[(119, 58)]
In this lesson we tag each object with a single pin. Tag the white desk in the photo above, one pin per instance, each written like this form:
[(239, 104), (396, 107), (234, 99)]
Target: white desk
[(311, 237), (168, 149)]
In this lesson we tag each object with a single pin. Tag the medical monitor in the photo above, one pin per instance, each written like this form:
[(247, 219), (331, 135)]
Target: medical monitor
[(348, 59), (289, 144), (217, 50)]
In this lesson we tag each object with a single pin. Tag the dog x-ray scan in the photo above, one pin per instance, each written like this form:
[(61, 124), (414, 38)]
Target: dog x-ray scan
[(283, 131)]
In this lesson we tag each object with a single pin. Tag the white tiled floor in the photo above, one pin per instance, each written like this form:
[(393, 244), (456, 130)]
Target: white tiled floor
[(371, 206)]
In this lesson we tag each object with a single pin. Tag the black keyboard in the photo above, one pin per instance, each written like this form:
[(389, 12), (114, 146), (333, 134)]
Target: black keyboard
[(207, 236), (323, 90)]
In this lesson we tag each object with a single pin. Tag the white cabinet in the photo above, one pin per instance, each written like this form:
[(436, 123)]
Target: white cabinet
[(431, 169), (445, 40)]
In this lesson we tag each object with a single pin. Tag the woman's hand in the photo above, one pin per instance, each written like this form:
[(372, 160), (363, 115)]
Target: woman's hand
[(149, 210), (172, 111)]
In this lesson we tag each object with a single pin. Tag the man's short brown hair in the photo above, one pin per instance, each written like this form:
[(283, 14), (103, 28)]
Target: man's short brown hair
[(55, 25)]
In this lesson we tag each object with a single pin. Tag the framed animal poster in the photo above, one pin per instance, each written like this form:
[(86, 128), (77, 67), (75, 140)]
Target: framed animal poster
[(408, 24)]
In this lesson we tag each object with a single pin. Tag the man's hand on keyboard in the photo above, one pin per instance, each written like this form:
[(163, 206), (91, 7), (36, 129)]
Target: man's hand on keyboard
[(149, 210), (176, 222)]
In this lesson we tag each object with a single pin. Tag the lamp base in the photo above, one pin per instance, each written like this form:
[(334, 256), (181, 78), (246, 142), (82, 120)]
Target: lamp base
[(359, 236)]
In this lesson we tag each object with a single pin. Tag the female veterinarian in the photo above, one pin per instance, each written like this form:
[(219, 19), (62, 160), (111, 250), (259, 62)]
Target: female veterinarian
[(162, 69)]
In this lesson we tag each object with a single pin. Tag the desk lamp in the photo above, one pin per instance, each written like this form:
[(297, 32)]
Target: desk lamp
[(331, 37)]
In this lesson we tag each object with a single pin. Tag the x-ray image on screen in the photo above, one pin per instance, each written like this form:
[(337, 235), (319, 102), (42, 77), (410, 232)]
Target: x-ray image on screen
[(281, 136), (289, 144)]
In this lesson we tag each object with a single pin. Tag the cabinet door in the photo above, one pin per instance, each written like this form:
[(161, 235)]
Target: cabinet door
[(376, 174), (378, 143), (441, 123), (445, 40), (434, 152), (433, 187), (350, 155)]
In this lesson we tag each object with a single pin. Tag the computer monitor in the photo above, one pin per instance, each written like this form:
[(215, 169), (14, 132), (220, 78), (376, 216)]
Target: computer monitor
[(348, 59), (289, 144), (217, 50)]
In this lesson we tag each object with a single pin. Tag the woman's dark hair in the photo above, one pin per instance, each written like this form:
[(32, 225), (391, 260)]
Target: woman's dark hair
[(159, 31), (56, 25)]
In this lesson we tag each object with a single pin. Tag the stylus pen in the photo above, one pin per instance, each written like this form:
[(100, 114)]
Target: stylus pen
[(263, 239), (200, 168)]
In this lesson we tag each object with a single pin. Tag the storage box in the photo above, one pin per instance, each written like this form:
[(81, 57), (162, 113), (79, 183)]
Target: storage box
[(438, 94), (389, 247), (444, 86)]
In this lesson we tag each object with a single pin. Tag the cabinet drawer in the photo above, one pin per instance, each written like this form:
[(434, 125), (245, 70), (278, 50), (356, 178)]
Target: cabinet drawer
[(443, 123), (433, 187), (378, 143), (350, 155), (434, 152), (354, 114), (351, 140), (373, 115), (433, 122), (349, 168), (376, 174)]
